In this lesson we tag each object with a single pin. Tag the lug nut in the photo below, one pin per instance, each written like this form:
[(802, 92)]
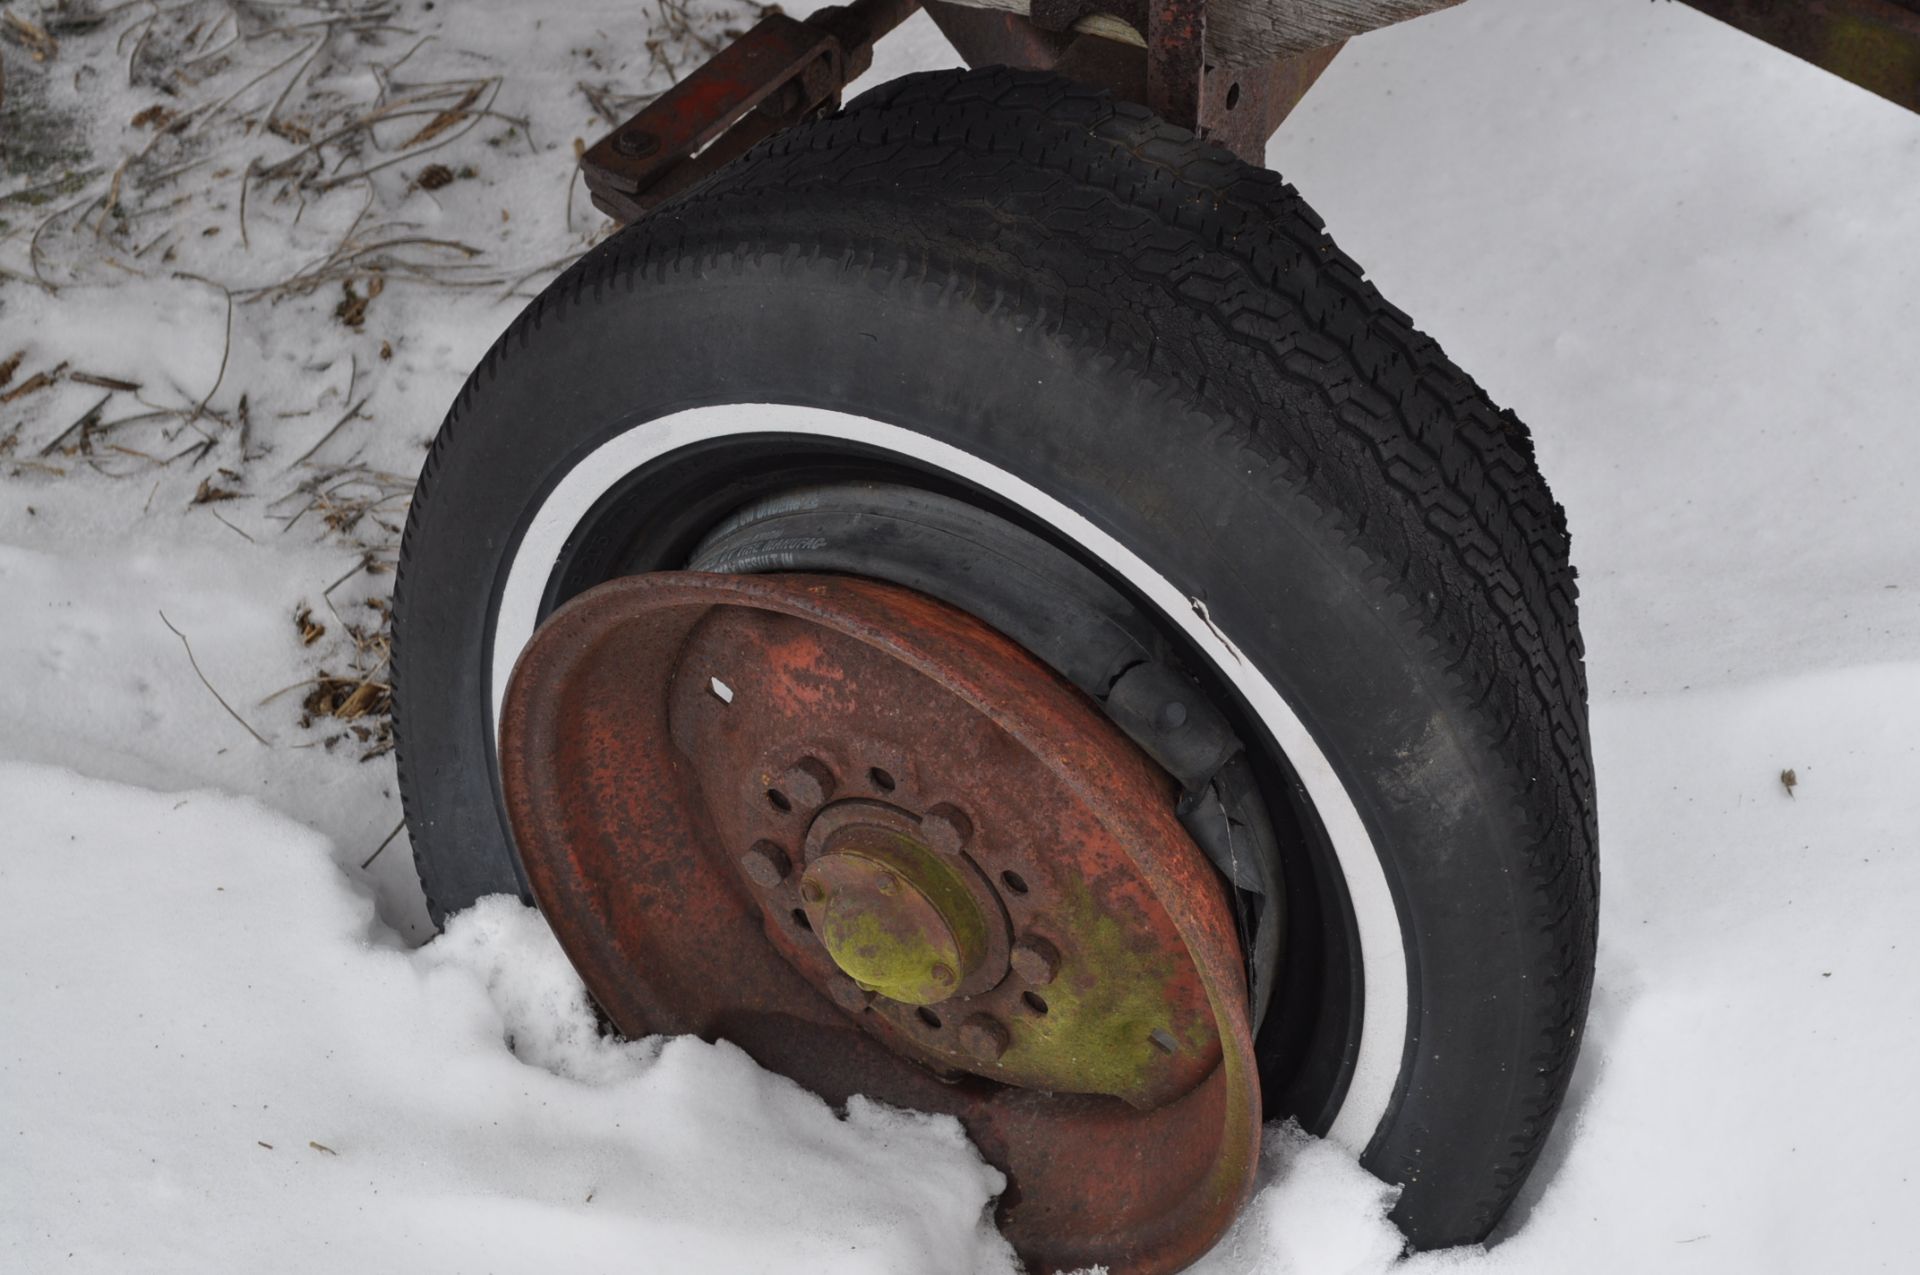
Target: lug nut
[(812, 891), (766, 865), (943, 975), (887, 883), (946, 830), (850, 996), (807, 783), (985, 1037), (1035, 960)]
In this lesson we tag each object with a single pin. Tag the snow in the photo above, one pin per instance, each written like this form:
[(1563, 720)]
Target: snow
[(281, 1093), (1744, 1100), (1690, 262)]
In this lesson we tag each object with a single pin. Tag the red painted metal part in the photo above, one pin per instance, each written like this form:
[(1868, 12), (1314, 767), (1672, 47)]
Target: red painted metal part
[(663, 832), (774, 76)]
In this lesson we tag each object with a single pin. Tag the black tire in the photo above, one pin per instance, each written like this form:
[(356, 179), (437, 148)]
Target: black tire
[(1161, 339)]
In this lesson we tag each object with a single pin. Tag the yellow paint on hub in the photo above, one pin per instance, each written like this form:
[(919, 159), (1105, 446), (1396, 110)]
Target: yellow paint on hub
[(895, 918)]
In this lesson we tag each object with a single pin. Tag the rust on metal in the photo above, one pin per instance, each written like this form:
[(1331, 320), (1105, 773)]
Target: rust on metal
[(946, 829), (785, 70), (1176, 60), (891, 899), (1035, 960), (723, 108), (1872, 43), (1242, 109), (777, 74), (893, 916), (766, 864), (988, 908)]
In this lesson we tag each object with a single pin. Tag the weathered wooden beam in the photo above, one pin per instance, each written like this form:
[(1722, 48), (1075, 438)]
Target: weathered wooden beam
[(1872, 43), (1254, 33)]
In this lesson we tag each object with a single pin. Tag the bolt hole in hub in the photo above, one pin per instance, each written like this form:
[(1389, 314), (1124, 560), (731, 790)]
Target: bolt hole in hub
[(1021, 842)]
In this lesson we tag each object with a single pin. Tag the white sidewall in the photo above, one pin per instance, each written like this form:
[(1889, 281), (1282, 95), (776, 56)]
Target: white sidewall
[(1383, 955)]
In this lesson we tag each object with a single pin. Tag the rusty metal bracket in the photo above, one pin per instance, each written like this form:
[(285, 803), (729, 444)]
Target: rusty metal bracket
[(776, 75), (1240, 109), (785, 71), (1176, 60)]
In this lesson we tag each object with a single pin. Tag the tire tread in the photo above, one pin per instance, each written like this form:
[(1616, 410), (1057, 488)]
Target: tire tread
[(1421, 475)]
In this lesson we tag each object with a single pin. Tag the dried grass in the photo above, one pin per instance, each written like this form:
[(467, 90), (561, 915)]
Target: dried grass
[(248, 126)]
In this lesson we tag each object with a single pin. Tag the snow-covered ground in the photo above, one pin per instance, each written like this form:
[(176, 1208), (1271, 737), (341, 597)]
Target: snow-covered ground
[(1691, 263)]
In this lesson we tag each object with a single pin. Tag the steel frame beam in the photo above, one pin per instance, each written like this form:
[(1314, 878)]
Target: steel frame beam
[(776, 75)]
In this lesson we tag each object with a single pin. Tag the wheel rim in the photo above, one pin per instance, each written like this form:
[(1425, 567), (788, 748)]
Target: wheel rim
[(1340, 1071), (887, 852)]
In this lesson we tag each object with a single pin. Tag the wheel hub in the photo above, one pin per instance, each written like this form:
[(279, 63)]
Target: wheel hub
[(886, 852), (894, 918)]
